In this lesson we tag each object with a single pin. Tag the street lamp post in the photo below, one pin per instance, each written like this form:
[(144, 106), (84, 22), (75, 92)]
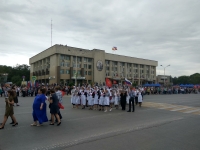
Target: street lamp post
[(164, 72), (76, 67)]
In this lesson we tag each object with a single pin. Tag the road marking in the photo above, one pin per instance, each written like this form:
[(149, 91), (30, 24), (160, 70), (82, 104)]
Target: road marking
[(173, 107), (180, 109), (168, 107), (192, 111)]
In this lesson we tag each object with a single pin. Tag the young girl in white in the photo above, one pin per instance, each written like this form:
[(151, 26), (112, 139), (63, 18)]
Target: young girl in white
[(112, 99), (90, 99), (96, 102), (117, 99), (106, 100), (140, 98), (101, 100)]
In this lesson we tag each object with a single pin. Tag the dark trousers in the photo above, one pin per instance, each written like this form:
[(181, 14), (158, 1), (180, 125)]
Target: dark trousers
[(131, 100), (136, 100)]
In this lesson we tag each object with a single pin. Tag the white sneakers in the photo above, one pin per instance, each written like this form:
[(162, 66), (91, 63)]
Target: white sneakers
[(105, 110), (110, 109)]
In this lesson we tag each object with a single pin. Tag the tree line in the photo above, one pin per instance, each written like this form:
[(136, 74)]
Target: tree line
[(192, 79), (15, 73)]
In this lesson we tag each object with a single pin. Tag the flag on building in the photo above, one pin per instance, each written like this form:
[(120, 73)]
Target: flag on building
[(128, 82), (114, 48), (108, 82)]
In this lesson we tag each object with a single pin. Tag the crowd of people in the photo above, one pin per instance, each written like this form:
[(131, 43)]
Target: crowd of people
[(39, 106), (101, 98)]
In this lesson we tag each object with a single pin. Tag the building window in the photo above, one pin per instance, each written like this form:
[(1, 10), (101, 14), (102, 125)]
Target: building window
[(67, 64), (85, 66), (64, 57), (89, 66), (85, 73), (89, 73), (61, 71), (85, 60), (78, 72), (107, 73), (62, 64), (141, 66), (89, 60), (78, 65), (107, 68), (135, 65), (67, 71), (78, 59), (74, 65), (107, 62)]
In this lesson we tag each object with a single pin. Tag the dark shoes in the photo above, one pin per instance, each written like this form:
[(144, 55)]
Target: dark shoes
[(15, 124), (58, 123), (130, 111)]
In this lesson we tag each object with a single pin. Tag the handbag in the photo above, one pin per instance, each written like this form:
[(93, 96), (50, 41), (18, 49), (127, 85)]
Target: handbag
[(61, 106)]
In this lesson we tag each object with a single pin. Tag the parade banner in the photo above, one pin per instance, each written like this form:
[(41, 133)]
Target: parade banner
[(108, 82)]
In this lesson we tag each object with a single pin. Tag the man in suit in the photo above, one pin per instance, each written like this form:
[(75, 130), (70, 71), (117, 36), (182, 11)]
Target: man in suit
[(131, 100)]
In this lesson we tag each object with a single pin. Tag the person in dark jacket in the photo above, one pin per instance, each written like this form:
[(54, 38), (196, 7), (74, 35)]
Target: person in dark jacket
[(54, 108), (123, 99)]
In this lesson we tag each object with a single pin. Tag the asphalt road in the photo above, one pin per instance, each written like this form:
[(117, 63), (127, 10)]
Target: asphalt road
[(164, 122)]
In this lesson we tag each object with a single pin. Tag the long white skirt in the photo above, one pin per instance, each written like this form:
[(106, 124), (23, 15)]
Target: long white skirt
[(83, 100), (101, 101), (77, 98), (139, 98), (73, 100), (127, 99), (116, 100), (106, 101), (96, 102), (113, 99), (90, 101)]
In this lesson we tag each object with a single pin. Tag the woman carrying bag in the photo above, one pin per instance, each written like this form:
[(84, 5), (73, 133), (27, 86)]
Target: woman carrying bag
[(54, 108)]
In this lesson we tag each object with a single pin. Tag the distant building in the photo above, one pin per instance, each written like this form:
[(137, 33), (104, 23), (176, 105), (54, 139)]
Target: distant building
[(62, 64), (164, 80)]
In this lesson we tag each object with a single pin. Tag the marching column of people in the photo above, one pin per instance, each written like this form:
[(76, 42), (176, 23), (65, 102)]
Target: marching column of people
[(104, 98)]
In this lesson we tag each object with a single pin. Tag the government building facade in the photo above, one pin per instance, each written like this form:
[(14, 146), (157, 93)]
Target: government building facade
[(63, 64)]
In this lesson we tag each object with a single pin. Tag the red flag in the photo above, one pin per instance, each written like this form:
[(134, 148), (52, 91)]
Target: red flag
[(63, 93), (108, 82)]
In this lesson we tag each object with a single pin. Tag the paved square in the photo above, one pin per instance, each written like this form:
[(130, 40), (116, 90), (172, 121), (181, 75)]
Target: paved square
[(163, 122)]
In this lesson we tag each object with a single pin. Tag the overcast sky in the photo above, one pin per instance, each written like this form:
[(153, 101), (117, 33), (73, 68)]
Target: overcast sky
[(167, 31)]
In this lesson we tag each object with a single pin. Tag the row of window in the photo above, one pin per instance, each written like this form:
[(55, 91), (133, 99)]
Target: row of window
[(62, 71), (122, 64), (67, 64), (79, 59)]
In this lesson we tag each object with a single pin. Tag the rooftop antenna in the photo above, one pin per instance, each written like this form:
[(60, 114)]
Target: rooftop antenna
[(51, 32)]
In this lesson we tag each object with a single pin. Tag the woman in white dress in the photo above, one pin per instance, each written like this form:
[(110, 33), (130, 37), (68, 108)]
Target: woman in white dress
[(140, 98), (96, 102), (106, 100), (77, 98), (113, 95), (83, 98), (73, 100), (117, 98), (101, 100), (90, 99)]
